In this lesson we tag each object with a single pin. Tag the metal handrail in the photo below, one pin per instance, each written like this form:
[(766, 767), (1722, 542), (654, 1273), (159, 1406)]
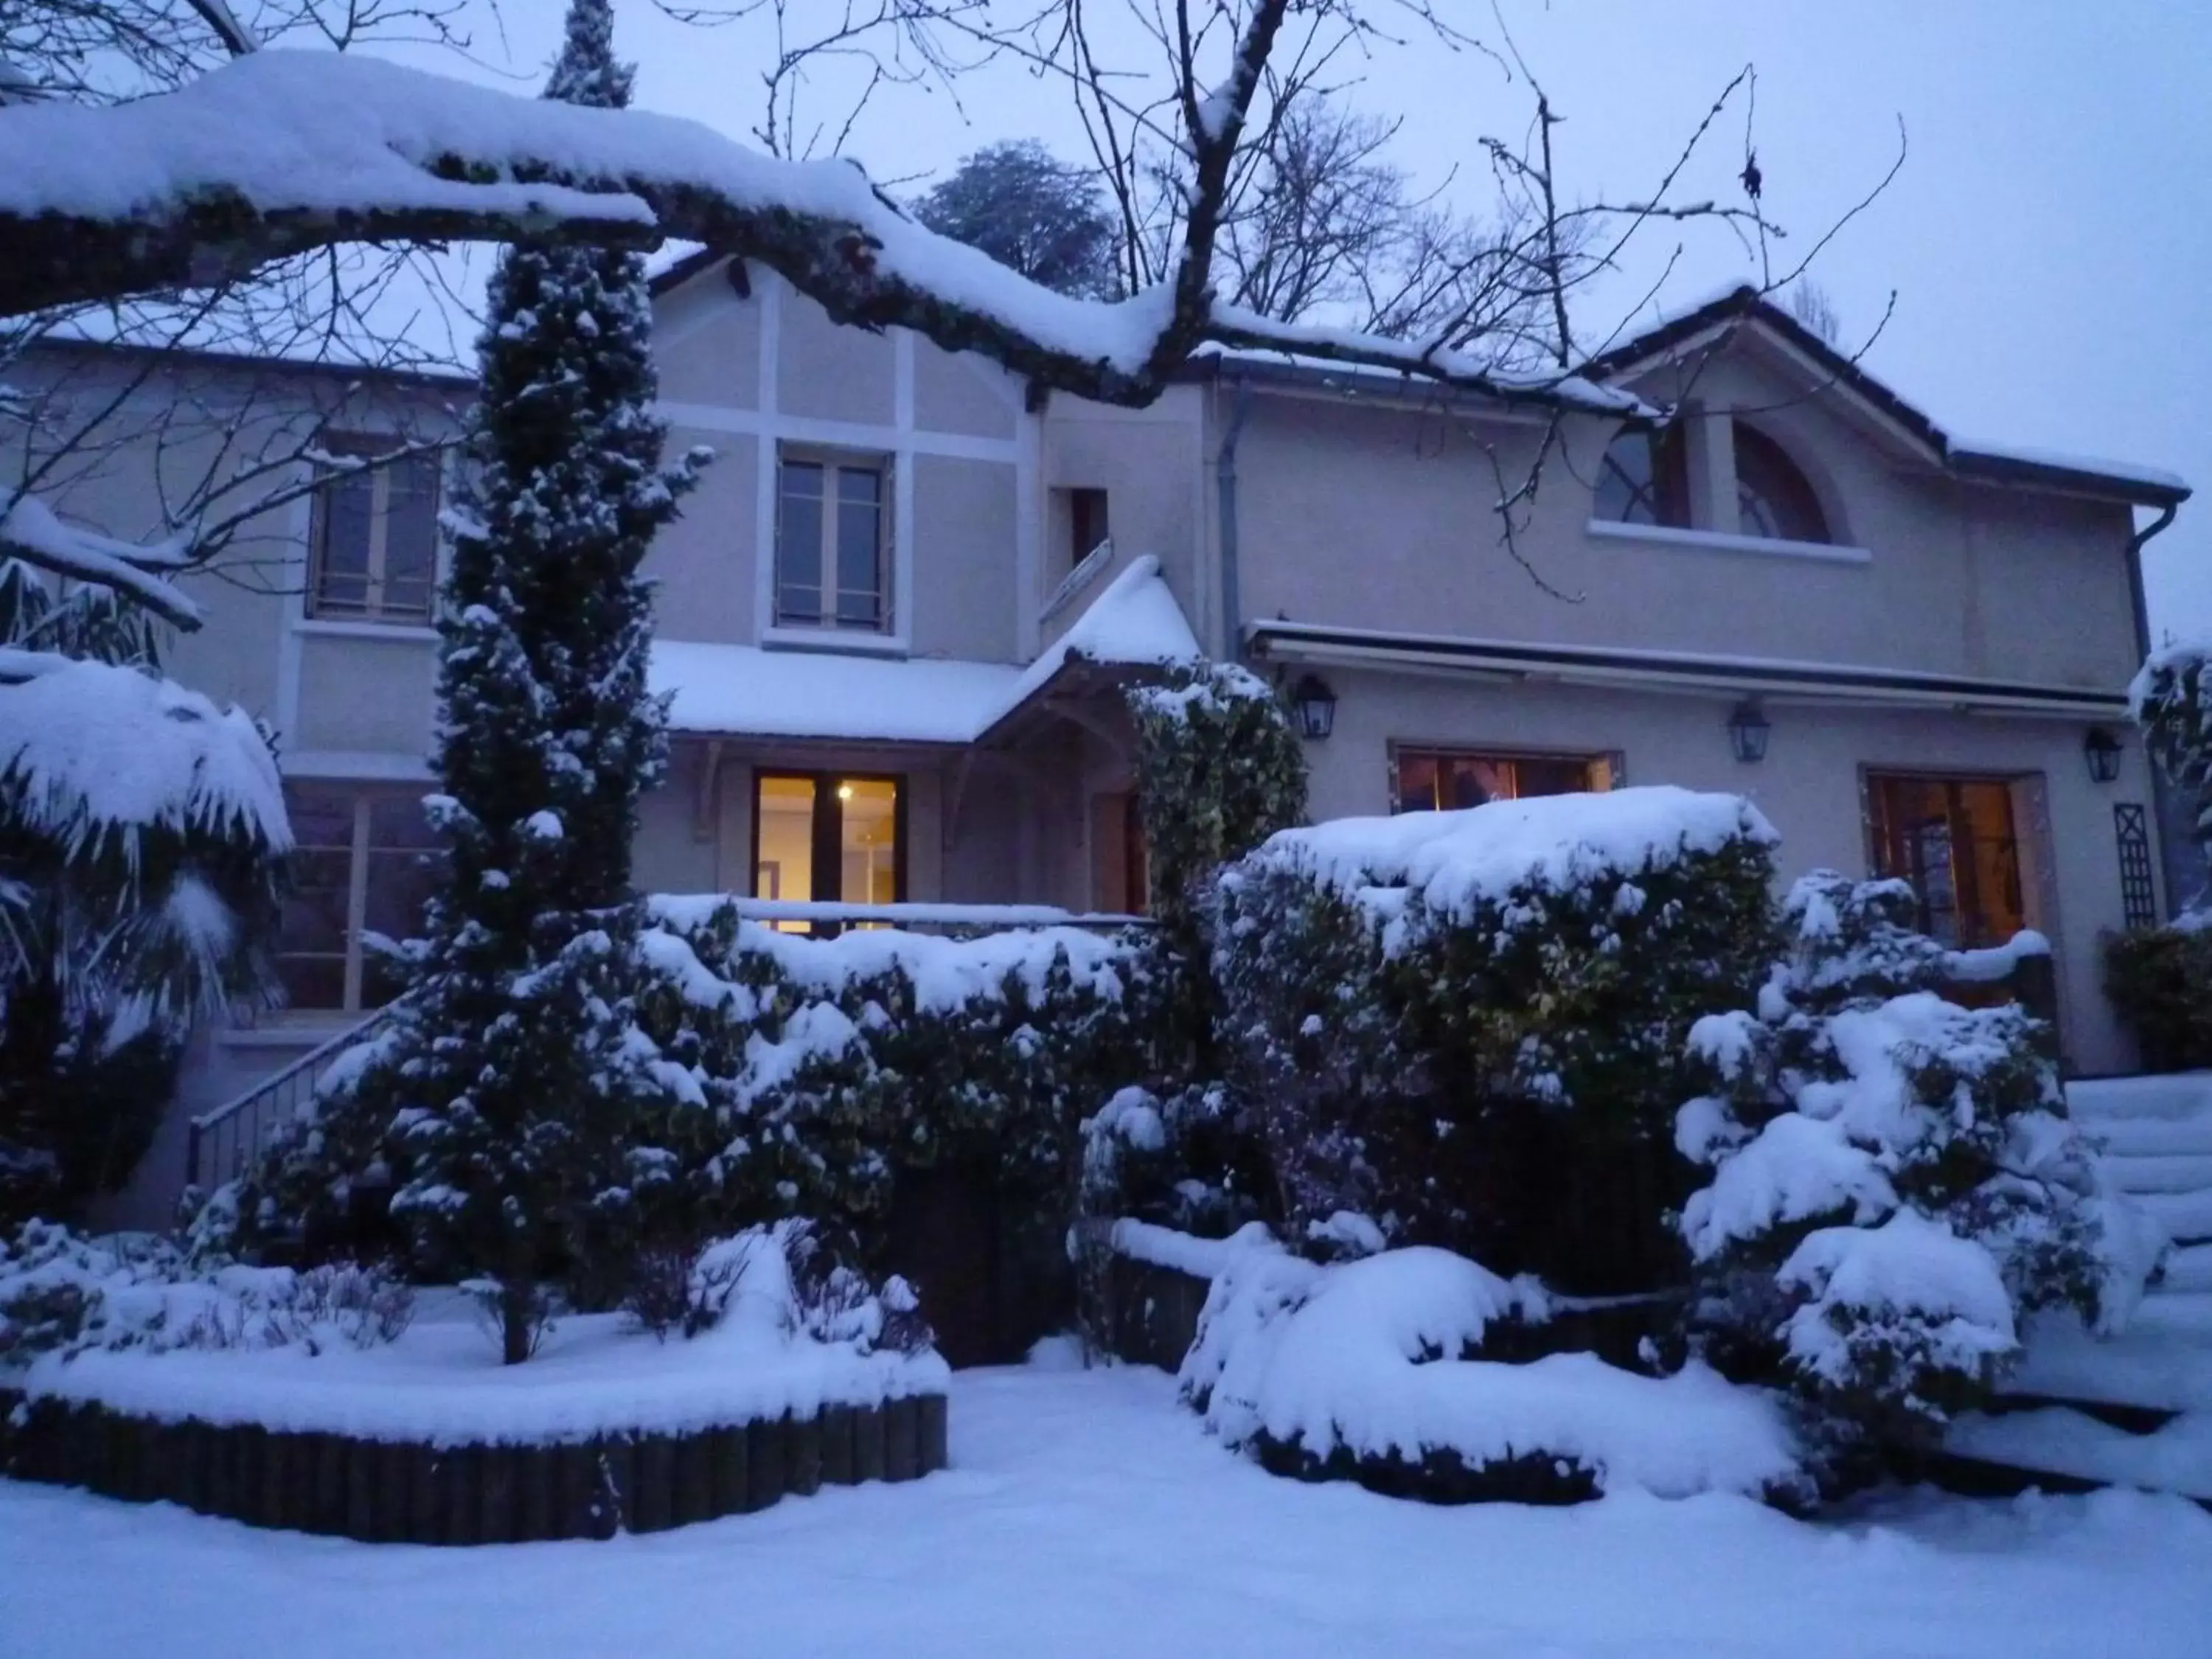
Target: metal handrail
[(227, 1137)]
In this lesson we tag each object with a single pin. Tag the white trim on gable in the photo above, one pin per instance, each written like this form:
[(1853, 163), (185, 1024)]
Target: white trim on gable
[(1823, 379)]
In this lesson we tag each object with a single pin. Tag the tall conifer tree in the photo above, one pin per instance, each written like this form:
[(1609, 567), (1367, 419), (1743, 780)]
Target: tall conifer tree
[(510, 1079)]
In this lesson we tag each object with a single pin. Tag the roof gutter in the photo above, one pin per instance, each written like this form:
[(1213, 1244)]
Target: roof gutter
[(1225, 484)]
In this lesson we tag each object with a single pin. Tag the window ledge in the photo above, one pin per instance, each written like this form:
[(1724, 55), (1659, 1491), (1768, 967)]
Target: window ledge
[(834, 641), (331, 627), (1717, 541)]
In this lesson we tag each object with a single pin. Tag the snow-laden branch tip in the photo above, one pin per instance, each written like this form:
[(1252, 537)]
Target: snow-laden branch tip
[(281, 151), (30, 531)]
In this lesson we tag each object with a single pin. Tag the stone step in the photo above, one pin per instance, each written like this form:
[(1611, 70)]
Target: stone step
[(2188, 1270), (2152, 1137), (2161, 1362), (2176, 1457), (2179, 1095), (2171, 1173), (2186, 1217)]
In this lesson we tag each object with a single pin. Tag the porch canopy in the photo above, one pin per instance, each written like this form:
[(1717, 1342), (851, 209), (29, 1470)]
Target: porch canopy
[(746, 691)]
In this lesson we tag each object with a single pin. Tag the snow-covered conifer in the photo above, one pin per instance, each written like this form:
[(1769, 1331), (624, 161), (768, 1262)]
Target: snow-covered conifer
[(1895, 1183), (503, 1097)]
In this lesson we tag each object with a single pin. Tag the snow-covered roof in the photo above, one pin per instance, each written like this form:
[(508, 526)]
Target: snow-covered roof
[(1133, 621), (2148, 486), (746, 690)]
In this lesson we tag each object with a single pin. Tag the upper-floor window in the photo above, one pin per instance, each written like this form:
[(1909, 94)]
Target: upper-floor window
[(374, 545), (832, 542), (1087, 525), (1773, 498), (1645, 479)]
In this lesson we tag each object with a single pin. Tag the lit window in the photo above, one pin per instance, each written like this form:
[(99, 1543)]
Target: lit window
[(828, 838), (1956, 841), (832, 538), (1432, 779), (364, 862), (374, 541)]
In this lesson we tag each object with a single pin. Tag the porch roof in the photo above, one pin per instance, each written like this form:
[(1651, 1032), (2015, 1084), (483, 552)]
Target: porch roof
[(744, 690)]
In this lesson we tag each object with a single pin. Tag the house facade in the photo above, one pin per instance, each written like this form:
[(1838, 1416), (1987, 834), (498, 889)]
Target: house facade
[(896, 618)]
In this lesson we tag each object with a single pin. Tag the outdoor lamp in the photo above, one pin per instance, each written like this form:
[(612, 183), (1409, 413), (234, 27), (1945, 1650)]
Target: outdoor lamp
[(2102, 750), (1316, 707), (1747, 729)]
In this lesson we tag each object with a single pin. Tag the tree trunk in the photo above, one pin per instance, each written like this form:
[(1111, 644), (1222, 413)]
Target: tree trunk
[(518, 1306)]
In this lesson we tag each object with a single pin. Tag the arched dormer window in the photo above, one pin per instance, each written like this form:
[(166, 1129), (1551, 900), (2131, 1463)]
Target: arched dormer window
[(1645, 479), (1772, 497)]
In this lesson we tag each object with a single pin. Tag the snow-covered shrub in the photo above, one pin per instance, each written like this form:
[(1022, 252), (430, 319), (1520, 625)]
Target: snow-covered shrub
[(141, 836), (2159, 981), (1469, 1025), (62, 1293), (1895, 1184), (782, 1273), (1172, 1157), (1419, 1374), (1219, 769), (2170, 699)]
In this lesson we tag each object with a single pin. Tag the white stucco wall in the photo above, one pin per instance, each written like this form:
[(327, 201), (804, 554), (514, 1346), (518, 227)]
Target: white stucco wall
[(1809, 785)]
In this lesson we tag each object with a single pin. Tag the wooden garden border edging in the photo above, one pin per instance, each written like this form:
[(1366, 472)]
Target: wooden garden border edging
[(384, 1492)]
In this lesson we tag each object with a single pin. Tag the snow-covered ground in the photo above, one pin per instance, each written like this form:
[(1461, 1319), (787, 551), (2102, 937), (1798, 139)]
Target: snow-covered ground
[(1087, 1515)]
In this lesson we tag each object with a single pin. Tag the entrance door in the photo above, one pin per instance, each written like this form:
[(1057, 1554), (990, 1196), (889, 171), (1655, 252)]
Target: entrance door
[(1956, 841)]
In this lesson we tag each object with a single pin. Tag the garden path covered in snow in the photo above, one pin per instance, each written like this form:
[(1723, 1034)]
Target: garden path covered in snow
[(1087, 1515)]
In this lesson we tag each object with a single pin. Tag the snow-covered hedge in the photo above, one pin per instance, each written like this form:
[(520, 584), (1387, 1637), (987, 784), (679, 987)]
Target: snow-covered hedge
[(1895, 1184), (797, 1076), (1469, 1025), (1385, 1370)]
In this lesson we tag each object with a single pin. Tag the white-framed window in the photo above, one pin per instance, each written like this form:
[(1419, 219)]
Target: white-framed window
[(364, 862), (373, 549), (833, 541)]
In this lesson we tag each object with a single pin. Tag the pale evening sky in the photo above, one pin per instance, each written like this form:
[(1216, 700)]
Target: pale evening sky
[(2049, 238)]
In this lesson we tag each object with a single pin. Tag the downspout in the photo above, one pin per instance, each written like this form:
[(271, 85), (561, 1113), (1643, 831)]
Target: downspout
[(2136, 576), (1225, 480), (2173, 858)]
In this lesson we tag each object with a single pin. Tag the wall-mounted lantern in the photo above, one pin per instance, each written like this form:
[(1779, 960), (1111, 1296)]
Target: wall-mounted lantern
[(1316, 707), (1747, 732), (2102, 750)]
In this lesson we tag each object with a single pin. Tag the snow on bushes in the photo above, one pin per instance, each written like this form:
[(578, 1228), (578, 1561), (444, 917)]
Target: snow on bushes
[(65, 1294), (1894, 1182), (2170, 699), (797, 1076), (1469, 1025), (1386, 1370), (778, 1331)]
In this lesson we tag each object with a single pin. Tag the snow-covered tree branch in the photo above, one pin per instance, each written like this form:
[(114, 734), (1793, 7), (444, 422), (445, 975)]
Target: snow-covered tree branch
[(280, 153)]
